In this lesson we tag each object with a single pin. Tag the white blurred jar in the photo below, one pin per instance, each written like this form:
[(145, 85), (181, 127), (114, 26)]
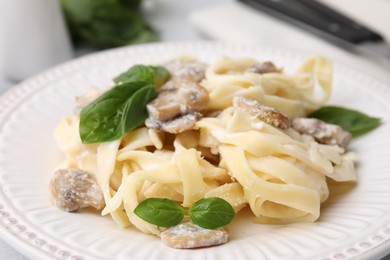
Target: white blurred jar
[(34, 37)]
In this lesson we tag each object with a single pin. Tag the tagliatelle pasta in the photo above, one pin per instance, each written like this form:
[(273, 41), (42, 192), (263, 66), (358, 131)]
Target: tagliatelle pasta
[(279, 174), (294, 95)]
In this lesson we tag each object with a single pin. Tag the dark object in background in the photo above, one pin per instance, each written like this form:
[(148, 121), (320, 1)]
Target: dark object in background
[(132, 4), (329, 24), (106, 23)]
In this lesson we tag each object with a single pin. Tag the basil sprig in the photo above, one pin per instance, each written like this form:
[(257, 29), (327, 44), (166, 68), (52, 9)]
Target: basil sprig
[(123, 107), (350, 120), (160, 212), (211, 213), (208, 213)]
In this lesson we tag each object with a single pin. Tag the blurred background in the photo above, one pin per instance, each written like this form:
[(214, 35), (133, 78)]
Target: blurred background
[(38, 34)]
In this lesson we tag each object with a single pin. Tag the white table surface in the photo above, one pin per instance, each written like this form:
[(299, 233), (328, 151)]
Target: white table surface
[(172, 19)]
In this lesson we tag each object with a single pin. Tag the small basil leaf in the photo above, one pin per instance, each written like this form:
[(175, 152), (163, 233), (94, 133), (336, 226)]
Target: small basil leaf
[(157, 74), (211, 213), (160, 212), (117, 111), (350, 120), (136, 73)]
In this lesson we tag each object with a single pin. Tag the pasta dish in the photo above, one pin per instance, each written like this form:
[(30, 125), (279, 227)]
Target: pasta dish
[(236, 129)]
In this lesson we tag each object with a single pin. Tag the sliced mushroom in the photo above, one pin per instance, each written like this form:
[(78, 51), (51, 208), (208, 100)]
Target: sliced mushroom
[(265, 113), (177, 106), (178, 97), (262, 68), (176, 125), (188, 235), (186, 69), (73, 189), (322, 132)]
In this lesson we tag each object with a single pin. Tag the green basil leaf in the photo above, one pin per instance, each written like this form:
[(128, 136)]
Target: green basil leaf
[(136, 112), (136, 73), (350, 120), (160, 212), (117, 111), (211, 213), (158, 75), (123, 107)]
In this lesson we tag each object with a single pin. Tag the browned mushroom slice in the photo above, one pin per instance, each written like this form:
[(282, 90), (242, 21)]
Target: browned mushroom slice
[(186, 69), (178, 97), (188, 235), (267, 114), (73, 189), (176, 125), (262, 68), (322, 132)]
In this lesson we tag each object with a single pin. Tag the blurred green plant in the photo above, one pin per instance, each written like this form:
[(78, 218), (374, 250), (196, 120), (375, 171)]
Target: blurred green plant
[(106, 23)]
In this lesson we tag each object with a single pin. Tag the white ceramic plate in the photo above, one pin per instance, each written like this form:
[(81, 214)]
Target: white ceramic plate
[(354, 223)]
